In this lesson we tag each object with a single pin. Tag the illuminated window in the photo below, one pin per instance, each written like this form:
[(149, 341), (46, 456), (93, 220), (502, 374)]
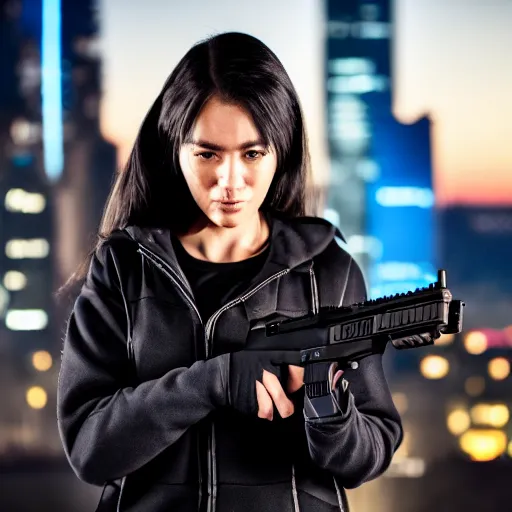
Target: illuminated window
[(351, 66), (26, 319), (30, 248), (15, 281), (374, 30), (405, 196), (357, 84), (19, 200)]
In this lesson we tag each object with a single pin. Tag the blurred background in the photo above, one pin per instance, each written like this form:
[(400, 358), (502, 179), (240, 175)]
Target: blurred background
[(409, 112)]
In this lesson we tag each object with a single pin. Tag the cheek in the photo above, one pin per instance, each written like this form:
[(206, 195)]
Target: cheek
[(196, 181), (264, 176)]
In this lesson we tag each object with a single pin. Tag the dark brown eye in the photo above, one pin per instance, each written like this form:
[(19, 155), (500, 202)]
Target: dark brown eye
[(253, 154), (206, 155)]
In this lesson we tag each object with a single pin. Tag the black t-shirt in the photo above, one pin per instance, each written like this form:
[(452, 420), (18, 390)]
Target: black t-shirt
[(215, 284)]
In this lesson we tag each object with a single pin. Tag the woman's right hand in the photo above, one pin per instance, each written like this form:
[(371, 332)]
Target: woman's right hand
[(270, 392), (255, 382)]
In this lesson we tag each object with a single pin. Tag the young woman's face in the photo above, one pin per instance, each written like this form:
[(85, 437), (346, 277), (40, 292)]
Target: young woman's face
[(227, 167)]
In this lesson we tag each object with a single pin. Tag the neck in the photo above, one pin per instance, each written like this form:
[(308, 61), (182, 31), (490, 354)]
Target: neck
[(224, 245)]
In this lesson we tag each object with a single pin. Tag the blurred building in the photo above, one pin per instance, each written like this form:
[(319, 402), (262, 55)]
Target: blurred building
[(476, 248), (90, 160), (381, 193), (27, 334), (55, 175)]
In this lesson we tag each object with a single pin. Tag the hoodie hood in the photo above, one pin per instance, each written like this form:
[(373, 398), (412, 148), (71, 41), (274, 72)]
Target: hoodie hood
[(293, 241)]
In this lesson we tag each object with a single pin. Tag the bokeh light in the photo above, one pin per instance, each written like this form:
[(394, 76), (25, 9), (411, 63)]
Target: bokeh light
[(36, 397), (42, 360), (434, 367), (498, 368), (475, 385), (458, 421), (475, 342), (483, 445), (493, 415)]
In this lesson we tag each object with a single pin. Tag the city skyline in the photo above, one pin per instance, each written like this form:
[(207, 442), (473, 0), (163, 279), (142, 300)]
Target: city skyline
[(449, 64)]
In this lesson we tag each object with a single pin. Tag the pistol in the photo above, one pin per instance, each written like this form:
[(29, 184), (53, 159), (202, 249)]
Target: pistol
[(347, 334)]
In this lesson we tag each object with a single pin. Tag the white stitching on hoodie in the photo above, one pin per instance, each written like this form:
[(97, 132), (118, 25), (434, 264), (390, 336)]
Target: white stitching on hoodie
[(294, 492)]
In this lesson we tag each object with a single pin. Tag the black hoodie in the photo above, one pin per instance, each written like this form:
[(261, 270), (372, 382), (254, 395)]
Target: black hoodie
[(137, 407)]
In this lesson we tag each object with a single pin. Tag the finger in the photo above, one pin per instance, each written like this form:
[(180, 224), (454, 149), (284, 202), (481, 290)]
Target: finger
[(336, 378), (283, 405), (295, 378), (265, 405)]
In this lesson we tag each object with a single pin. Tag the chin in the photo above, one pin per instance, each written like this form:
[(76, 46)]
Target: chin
[(223, 220)]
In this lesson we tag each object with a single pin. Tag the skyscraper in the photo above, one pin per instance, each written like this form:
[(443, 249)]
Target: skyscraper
[(90, 160), (381, 194), (26, 239)]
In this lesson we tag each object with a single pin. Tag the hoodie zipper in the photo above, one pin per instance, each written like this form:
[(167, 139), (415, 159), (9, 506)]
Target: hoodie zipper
[(209, 329), (210, 326), (176, 280)]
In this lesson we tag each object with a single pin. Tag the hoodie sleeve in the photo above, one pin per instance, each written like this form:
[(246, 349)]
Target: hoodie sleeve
[(108, 426), (358, 445)]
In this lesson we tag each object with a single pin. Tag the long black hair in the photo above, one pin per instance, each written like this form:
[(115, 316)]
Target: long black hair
[(238, 69)]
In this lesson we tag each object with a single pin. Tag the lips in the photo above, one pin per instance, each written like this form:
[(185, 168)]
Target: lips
[(230, 206)]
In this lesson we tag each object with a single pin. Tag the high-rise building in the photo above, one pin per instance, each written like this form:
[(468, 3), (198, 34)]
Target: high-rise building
[(476, 248), (90, 160), (27, 335), (381, 192)]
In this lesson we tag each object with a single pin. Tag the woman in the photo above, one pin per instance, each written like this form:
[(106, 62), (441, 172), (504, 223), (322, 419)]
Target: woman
[(204, 236)]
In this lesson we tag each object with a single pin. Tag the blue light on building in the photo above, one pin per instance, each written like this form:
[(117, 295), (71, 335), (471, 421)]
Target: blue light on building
[(400, 202), (51, 88)]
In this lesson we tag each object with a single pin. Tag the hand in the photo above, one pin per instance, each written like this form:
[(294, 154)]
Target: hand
[(271, 392), (254, 381)]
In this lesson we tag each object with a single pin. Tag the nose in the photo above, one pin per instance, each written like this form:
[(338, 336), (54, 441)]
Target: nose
[(231, 174)]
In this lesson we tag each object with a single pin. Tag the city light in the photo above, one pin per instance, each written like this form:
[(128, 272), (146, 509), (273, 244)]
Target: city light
[(475, 342), (36, 397), (498, 368), (29, 248), (51, 89), (15, 281), (26, 319), (434, 367), (475, 385), (405, 196), (458, 421), (42, 360), (483, 445), (19, 200), (492, 415)]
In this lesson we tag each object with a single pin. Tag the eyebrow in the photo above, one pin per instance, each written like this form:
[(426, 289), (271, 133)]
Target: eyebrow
[(216, 147)]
